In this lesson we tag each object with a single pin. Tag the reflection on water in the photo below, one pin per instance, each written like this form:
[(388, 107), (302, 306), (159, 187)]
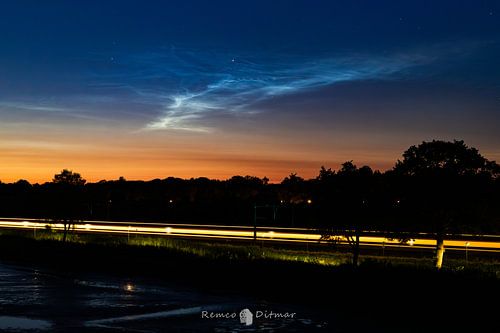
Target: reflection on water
[(40, 299), (22, 323)]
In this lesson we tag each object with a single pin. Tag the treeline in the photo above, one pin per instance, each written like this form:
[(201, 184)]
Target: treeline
[(437, 187)]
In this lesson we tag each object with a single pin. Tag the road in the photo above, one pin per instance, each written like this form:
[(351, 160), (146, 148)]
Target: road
[(485, 243)]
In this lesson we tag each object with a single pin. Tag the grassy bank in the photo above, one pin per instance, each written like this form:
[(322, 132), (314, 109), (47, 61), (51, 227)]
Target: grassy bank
[(404, 288), (227, 251)]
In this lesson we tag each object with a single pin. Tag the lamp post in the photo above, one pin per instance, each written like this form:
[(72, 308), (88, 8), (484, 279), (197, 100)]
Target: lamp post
[(275, 210), (466, 253), (109, 208), (255, 224)]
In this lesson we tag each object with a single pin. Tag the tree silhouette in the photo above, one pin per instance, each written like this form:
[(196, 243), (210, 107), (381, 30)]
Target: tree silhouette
[(69, 178), (352, 203), (68, 188), (325, 175), (438, 182)]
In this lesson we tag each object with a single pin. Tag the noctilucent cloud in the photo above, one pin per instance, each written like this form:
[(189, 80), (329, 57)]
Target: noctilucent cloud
[(150, 89)]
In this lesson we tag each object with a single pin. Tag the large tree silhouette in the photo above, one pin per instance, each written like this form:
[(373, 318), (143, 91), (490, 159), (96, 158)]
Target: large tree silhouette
[(69, 178), (68, 189), (441, 182), (352, 190)]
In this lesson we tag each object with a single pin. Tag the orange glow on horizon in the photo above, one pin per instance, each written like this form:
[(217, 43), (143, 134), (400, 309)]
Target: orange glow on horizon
[(96, 170), (37, 153), (150, 156)]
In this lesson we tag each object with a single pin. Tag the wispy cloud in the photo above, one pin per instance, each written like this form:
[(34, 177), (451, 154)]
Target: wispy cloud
[(60, 109), (189, 86), (26, 106)]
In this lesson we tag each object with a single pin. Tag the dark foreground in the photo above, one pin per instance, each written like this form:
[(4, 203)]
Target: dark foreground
[(54, 287)]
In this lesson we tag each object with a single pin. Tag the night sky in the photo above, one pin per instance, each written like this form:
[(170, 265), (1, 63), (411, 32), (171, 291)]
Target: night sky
[(151, 89)]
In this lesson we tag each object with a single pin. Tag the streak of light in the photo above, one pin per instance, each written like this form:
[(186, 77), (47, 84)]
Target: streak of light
[(295, 235)]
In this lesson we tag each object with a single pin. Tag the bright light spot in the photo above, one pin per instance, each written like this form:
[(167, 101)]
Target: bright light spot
[(168, 230), (26, 223), (411, 242), (170, 200), (87, 226), (271, 234), (309, 201), (467, 243), (129, 287)]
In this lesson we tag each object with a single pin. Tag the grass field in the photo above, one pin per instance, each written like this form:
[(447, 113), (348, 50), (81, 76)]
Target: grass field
[(219, 250)]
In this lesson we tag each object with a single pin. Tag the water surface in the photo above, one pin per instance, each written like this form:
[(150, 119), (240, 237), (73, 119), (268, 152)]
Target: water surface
[(36, 299)]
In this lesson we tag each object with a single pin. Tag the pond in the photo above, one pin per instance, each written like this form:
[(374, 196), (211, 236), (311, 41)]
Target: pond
[(37, 299)]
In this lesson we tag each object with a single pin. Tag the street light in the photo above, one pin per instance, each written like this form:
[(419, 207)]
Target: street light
[(275, 210), (109, 202), (255, 224), (466, 254)]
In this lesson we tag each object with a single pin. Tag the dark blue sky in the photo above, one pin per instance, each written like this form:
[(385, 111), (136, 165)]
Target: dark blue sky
[(263, 87)]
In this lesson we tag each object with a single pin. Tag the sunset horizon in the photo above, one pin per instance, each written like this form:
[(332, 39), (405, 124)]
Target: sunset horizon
[(147, 165)]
